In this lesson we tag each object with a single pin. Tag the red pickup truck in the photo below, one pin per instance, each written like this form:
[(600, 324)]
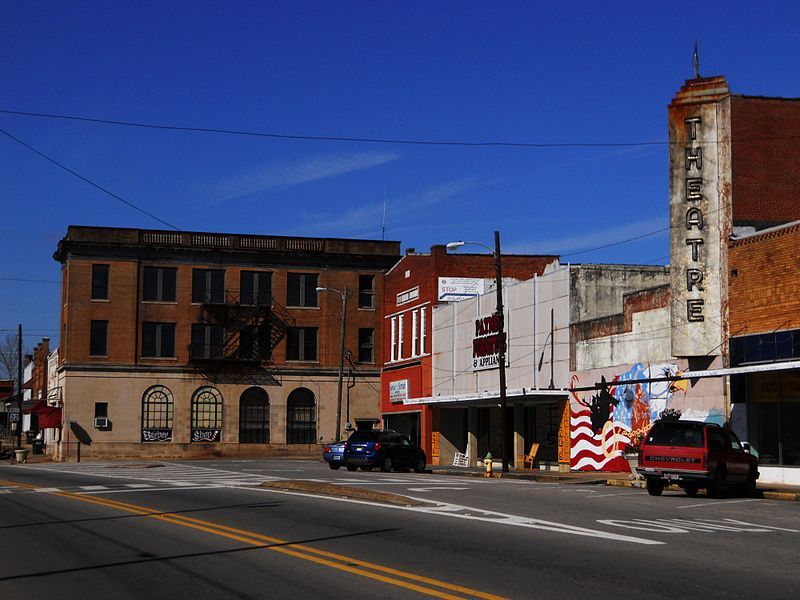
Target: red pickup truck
[(695, 455)]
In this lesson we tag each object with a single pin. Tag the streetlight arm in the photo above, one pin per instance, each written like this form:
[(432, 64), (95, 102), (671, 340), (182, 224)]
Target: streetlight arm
[(459, 244)]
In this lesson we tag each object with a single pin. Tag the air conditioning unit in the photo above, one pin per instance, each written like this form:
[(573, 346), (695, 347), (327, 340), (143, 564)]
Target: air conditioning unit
[(101, 422)]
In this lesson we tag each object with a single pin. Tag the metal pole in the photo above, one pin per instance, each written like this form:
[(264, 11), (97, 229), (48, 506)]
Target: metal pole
[(19, 387), (501, 350), (341, 367), (552, 344)]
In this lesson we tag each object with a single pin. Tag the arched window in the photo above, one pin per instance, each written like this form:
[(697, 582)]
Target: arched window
[(158, 409), (301, 417), (206, 415), (254, 416)]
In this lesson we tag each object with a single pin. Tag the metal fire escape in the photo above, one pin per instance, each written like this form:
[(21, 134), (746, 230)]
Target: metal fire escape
[(245, 334)]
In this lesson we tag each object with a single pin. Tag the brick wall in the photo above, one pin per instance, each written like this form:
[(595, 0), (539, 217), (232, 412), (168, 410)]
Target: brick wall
[(764, 292), (765, 160)]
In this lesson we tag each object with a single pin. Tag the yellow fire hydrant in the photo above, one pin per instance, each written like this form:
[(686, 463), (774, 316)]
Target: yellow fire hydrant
[(487, 462)]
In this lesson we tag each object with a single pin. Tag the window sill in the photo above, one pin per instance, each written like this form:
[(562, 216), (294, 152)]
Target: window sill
[(99, 300), (171, 302), (98, 356), (303, 307), (302, 362), (158, 357)]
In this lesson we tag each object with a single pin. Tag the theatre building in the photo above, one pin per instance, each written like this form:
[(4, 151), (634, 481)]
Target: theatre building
[(414, 287), (181, 344)]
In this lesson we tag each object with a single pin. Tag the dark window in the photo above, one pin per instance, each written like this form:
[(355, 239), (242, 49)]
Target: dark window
[(716, 439), (98, 338), (159, 284), (207, 409), (157, 408), (208, 286), (687, 435), (254, 417), (365, 345), (301, 418), (366, 292), (255, 342), (207, 340), (255, 288), (301, 343), (158, 340), (301, 289), (101, 410), (99, 282), (365, 436)]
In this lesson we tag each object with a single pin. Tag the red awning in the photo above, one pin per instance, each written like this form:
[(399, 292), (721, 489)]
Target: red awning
[(31, 406), (49, 416)]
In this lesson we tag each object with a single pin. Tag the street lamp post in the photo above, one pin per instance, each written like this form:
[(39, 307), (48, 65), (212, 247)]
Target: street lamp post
[(344, 294), (501, 343)]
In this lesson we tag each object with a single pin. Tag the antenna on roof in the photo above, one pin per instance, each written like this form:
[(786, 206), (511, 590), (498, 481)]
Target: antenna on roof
[(696, 61)]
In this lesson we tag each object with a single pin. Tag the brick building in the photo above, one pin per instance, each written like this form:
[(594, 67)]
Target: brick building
[(413, 287), (199, 344)]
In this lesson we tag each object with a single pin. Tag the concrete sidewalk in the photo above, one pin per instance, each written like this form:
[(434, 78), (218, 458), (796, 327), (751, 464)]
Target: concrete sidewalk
[(765, 490)]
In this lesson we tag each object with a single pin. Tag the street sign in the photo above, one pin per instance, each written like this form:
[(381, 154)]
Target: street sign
[(13, 417)]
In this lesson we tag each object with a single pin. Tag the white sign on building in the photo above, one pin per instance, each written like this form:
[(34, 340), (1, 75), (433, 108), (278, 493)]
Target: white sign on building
[(398, 390), (455, 289)]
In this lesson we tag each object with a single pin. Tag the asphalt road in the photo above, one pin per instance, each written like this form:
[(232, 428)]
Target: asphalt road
[(207, 529)]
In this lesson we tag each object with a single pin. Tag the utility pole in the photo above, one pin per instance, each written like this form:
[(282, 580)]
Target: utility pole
[(19, 387), (501, 351)]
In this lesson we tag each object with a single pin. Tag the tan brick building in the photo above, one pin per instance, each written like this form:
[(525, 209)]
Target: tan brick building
[(199, 344)]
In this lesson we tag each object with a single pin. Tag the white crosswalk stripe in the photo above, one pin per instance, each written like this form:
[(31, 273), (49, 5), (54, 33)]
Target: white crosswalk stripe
[(159, 473)]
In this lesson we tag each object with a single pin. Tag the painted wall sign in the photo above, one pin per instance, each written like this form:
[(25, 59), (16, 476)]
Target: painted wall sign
[(699, 123), (455, 289), (206, 435), (398, 390), (156, 435), (486, 343)]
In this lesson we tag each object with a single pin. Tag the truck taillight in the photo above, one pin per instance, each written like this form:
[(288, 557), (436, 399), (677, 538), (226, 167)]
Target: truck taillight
[(704, 458)]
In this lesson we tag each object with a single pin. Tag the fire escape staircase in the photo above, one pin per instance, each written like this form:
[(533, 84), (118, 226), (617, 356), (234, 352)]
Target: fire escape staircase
[(233, 360)]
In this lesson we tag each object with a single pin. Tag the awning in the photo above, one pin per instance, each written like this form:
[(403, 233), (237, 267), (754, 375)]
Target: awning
[(49, 416), (491, 397), (31, 406)]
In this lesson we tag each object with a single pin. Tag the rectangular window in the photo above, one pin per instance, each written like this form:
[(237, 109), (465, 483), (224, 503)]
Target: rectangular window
[(365, 345), (159, 284), (207, 340), (414, 334), (423, 332), (99, 282), (301, 289), (407, 296), (255, 288), (98, 338), (208, 286), (158, 340), (393, 351), (255, 342), (366, 291), (400, 337), (301, 343), (101, 410)]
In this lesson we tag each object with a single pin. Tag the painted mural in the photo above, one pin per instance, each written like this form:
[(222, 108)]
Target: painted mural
[(609, 422)]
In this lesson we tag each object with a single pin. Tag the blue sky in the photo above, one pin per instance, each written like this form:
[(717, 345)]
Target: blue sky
[(531, 72)]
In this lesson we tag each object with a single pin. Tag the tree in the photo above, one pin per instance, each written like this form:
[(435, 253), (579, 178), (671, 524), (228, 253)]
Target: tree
[(9, 357)]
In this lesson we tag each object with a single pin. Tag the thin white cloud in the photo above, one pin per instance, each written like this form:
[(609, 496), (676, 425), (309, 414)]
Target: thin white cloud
[(589, 239), (272, 177)]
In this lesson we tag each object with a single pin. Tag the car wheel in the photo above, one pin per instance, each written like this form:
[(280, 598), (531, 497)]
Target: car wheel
[(334, 466), (716, 487), (386, 464), (420, 466), (691, 489), (750, 484), (351, 467), (654, 486)]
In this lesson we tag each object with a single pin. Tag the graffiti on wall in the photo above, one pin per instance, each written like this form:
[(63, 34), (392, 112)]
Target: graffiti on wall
[(611, 421)]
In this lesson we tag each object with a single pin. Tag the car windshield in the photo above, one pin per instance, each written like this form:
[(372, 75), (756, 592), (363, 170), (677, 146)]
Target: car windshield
[(688, 435)]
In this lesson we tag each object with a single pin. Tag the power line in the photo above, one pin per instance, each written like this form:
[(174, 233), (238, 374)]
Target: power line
[(337, 138), (87, 180), (29, 280)]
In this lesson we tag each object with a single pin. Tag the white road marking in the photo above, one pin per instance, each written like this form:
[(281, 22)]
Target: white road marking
[(151, 489), (50, 489), (714, 503), (434, 489), (138, 485), (90, 488), (686, 525)]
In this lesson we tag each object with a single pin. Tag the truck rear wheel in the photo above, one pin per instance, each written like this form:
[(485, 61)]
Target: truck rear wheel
[(654, 486)]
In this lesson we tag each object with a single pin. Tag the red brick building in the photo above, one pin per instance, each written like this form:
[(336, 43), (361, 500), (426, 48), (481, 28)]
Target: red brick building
[(412, 288), (198, 344)]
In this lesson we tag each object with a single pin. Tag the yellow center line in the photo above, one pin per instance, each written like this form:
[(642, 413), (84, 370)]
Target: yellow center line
[(322, 557)]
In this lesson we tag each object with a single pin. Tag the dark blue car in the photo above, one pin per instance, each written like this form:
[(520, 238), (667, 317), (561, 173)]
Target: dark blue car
[(333, 454), (385, 449)]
